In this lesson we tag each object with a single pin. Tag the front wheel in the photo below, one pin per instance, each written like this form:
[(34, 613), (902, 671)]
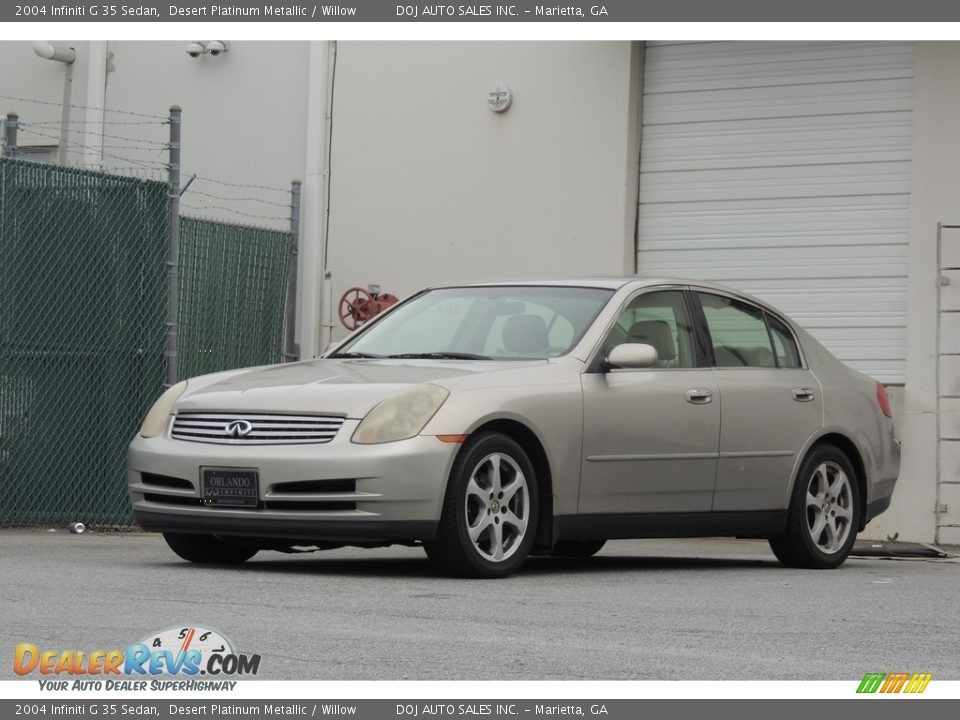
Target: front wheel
[(824, 512), (489, 515), (209, 549)]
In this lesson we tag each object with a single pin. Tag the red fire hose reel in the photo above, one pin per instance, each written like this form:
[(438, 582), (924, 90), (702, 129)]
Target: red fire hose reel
[(358, 305)]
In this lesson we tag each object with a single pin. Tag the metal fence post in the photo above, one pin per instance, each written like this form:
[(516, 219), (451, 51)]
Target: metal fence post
[(291, 349), (10, 135), (173, 247)]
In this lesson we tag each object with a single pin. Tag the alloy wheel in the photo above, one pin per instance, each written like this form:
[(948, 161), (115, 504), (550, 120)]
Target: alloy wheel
[(829, 507), (497, 505)]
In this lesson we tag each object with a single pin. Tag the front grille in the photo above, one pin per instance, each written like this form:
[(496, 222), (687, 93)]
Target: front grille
[(263, 429)]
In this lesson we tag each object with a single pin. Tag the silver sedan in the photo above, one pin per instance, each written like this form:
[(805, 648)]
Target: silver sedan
[(490, 422)]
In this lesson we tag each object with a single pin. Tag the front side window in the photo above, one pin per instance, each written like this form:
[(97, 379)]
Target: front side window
[(738, 332), (486, 323), (659, 319)]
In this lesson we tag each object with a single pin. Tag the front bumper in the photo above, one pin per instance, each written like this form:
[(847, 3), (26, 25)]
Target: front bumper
[(380, 493)]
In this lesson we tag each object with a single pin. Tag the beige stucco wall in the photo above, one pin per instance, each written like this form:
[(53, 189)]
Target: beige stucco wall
[(430, 186)]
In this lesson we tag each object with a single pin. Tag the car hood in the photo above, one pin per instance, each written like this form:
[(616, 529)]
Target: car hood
[(342, 387)]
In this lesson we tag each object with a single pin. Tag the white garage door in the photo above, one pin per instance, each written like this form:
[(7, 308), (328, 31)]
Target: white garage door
[(783, 169)]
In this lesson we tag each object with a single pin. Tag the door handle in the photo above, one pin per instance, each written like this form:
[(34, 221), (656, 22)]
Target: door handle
[(698, 396), (802, 394)]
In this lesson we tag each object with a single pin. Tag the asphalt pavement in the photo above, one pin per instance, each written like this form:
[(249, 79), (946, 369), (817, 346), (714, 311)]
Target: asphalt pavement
[(655, 609)]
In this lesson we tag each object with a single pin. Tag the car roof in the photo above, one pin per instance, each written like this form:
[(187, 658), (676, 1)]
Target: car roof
[(605, 282), (610, 282)]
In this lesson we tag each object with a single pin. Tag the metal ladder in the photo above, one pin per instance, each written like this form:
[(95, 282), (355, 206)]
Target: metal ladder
[(947, 372)]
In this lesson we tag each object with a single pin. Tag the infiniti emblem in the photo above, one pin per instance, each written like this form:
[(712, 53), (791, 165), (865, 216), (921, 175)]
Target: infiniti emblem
[(238, 428)]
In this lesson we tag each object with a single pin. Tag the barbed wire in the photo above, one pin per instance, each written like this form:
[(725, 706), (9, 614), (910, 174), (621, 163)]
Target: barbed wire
[(207, 208), (72, 131), (138, 173), (149, 164), (142, 170), (75, 132), (271, 188), (81, 150), (85, 107), (238, 199), (100, 122)]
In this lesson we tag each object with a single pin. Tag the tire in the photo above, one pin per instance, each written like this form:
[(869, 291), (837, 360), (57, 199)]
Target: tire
[(209, 549), (824, 513), (577, 548), (489, 516)]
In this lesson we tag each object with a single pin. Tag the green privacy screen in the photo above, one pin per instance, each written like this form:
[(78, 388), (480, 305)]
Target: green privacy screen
[(82, 313), (81, 337), (233, 285)]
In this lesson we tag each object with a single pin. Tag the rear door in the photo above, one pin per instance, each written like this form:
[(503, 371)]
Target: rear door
[(770, 403)]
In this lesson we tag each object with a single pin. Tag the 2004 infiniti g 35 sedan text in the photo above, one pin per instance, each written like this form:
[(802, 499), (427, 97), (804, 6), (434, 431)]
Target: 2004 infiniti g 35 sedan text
[(490, 422)]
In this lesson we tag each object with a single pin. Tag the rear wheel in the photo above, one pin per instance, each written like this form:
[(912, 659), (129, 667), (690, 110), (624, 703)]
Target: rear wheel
[(577, 548), (824, 512), (489, 515), (209, 549)]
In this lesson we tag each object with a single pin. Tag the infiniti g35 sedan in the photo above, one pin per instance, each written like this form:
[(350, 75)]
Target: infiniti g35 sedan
[(491, 422)]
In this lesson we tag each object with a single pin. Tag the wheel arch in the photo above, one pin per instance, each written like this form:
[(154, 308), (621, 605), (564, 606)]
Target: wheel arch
[(524, 436), (848, 447)]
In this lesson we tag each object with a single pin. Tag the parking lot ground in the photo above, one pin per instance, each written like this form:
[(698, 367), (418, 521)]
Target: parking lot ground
[(663, 609)]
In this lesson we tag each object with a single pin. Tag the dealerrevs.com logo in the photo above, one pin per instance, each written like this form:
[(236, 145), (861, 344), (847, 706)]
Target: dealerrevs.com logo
[(186, 651)]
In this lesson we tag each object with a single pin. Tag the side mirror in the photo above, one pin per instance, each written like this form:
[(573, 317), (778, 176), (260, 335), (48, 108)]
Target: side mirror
[(630, 356)]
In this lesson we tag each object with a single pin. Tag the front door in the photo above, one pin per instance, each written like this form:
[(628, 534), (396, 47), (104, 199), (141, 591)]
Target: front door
[(651, 435)]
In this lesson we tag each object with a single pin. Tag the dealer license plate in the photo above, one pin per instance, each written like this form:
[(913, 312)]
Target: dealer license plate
[(229, 487)]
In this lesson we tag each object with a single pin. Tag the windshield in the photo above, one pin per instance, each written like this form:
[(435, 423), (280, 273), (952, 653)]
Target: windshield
[(483, 323)]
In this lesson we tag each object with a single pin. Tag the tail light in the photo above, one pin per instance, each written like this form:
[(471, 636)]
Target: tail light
[(884, 401)]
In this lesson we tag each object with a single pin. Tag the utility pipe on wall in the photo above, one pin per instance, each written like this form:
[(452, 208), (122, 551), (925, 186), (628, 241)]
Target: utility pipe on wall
[(313, 331), (67, 56)]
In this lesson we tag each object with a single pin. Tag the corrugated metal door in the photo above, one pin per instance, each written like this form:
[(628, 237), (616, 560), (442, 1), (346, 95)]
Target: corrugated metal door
[(783, 169)]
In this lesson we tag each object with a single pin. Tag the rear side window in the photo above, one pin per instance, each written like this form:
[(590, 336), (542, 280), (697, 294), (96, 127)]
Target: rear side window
[(783, 344), (738, 333)]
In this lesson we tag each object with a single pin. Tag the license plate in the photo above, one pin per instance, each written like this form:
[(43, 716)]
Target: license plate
[(229, 487)]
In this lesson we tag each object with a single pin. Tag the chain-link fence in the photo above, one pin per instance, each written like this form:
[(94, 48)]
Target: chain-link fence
[(233, 284), (81, 337), (82, 328)]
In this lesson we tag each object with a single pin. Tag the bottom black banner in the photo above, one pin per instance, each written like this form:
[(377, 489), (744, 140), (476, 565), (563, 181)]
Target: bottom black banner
[(874, 708)]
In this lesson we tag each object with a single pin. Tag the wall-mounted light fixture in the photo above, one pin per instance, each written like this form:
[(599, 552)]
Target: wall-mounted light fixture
[(500, 98), (60, 53)]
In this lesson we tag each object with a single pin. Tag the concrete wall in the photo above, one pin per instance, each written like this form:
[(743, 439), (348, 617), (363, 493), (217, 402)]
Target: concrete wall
[(244, 118), (936, 177), (430, 186)]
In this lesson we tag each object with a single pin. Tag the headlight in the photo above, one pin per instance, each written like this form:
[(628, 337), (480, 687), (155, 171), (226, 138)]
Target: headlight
[(401, 416), (156, 420)]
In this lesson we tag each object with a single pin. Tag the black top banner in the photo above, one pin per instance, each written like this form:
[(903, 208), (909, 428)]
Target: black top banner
[(508, 11)]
